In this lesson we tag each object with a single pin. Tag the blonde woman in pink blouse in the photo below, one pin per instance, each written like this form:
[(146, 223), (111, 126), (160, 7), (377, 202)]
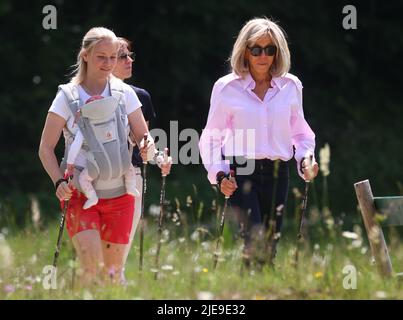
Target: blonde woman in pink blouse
[(256, 114)]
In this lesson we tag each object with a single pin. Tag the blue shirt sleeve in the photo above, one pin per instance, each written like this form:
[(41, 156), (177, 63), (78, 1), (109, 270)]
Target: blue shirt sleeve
[(147, 105)]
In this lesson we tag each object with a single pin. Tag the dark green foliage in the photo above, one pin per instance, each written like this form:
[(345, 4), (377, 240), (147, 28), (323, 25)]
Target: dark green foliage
[(351, 78)]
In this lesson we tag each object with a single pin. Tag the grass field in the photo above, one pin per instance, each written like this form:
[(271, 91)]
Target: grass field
[(186, 268), (334, 262)]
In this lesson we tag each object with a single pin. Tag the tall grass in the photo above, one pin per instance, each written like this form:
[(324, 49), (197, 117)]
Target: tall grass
[(190, 231)]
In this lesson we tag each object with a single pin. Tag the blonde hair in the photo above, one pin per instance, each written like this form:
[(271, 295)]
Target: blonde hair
[(91, 38), (249, 34)]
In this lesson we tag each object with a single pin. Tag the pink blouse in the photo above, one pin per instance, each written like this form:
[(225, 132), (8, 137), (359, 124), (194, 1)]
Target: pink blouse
[(240, 124)]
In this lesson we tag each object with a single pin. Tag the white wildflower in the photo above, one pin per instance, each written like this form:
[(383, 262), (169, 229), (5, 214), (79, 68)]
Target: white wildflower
[(329, 222), (87, 295), (6, 254), (175, 217), (30, 279), (167, 267), (35, 212), (205, 295), (165, 235), (195, 236), (350, 235), (324, 159), (154, 210), (381, 294), (170, 257), (33, 259), (205, 245)]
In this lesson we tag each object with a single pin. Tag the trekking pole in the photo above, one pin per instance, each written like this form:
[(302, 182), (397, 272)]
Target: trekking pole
[(61, 226), (161, 216), (144, 173), (303, 212), (302, 217), (222, 221)]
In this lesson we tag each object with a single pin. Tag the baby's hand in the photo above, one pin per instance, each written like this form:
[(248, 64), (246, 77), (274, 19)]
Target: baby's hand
[(70, 169)]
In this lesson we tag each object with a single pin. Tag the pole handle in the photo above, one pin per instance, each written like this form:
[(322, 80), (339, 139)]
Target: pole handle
[(309, 156), (166, 153), (145, 137), (230, 176)]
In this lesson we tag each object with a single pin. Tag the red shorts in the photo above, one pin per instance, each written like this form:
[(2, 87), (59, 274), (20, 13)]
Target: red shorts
[(113, 218)]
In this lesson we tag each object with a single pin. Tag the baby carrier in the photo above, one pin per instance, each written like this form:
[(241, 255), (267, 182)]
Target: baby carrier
[(103, 125)]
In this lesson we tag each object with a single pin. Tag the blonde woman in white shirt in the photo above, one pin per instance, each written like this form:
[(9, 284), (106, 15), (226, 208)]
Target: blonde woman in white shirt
[(101, 233), (256, 114)]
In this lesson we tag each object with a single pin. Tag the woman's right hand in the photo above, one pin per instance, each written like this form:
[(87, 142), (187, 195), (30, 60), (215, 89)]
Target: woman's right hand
[(228, 186), (50, 136), (64, 191), (147, 149)]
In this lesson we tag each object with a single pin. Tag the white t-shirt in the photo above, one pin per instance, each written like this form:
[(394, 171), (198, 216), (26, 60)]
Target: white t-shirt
[(60, 107)]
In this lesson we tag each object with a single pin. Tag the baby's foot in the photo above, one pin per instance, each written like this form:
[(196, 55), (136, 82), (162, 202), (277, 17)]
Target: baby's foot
[(91, 201), (132, 190)]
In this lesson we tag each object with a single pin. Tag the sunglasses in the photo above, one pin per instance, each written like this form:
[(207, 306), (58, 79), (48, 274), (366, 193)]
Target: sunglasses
[(125, 55), (256, 51)]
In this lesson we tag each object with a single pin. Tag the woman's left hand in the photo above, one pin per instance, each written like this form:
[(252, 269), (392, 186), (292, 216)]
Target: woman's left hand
[(164, 162), (310, 170), (165, 168)]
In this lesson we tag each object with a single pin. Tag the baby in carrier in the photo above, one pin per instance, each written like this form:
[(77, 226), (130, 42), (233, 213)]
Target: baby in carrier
[(85, 179)]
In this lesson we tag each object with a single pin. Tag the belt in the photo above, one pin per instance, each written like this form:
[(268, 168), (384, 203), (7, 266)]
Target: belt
[(258, 166)]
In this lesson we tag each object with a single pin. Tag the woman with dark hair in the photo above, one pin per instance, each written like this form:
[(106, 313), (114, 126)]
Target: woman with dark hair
[(124, 70)]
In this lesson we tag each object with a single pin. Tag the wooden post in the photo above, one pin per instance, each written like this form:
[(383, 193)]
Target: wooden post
[(374, 231)]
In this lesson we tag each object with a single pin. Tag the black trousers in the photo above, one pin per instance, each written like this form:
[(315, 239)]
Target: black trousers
[(260, 197)]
